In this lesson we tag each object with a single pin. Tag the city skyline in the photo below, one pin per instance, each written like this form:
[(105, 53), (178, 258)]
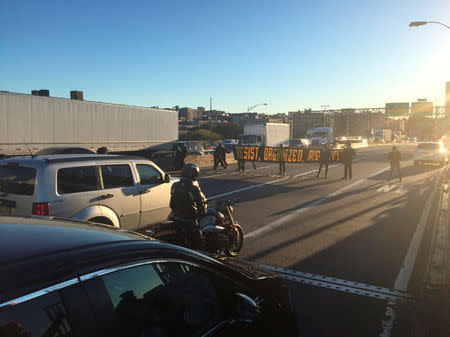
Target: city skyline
[(293, 56)]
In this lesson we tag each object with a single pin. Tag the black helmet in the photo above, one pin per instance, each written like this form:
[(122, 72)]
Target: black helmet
[(190, 171)]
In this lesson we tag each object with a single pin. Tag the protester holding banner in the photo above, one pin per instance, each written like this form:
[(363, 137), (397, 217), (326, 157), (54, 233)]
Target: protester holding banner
[(347, 158), (282, 163), (324, 160)]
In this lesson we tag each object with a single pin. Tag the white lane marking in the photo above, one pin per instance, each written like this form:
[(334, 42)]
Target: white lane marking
[(386, 188), (401, 189), (276, 181), (283, 220), (259, 185), (422, 190), (402, 280), (224, 173)]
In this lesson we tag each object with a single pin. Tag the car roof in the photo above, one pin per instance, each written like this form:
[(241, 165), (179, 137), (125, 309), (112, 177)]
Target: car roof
[(63, 158), (37, 252), (22, 237)]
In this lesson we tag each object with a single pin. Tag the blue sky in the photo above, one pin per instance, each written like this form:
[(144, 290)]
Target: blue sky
[(290, 54)]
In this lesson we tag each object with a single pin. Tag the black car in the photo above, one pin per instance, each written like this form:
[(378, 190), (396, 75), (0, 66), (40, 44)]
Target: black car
[(66, 278)]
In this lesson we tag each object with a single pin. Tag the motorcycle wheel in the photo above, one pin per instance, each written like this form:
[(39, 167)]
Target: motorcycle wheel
[(237, 245)]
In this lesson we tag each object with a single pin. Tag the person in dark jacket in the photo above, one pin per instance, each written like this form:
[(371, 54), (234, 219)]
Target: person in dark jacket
[(241, 165), (324, 160), (188, 203), (394, 158), (347, 158), (220, 156), (282, 164)]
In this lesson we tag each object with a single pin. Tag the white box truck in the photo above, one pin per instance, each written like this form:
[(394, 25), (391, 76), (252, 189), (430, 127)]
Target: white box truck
[(31, 123), (322, 135), (265, 134)]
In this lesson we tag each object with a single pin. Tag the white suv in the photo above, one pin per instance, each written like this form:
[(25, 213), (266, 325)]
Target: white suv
[(123, 191), (430, 152)]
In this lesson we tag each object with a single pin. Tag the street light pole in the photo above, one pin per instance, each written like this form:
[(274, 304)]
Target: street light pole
[(210, 117), (254, 106), (421, 23)]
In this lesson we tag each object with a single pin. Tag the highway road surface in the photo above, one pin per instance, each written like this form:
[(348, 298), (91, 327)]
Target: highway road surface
[(366, 230)]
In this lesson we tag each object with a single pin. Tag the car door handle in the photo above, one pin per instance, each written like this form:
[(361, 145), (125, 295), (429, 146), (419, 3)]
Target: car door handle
[(105, 196), (147, 190)]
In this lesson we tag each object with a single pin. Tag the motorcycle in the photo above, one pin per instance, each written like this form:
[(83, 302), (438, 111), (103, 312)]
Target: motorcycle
[(221, 233)]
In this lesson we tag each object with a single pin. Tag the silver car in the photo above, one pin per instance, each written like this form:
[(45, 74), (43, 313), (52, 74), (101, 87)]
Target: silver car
[(122, 191), (430, 152)]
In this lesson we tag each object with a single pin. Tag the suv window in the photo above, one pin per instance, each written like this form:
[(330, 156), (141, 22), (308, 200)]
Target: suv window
[(76, 179), (115, 176), (167, 299), (17, 180), (149, 175), (42, 316)]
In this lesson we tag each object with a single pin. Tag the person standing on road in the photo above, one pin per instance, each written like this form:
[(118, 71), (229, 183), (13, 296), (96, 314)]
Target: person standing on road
[(324, 160), (219, 155), (281, 162), (347, 159), (394, 158), (180, 155), (241, 166)]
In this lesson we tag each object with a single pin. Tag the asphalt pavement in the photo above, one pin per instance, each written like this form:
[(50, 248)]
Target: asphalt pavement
[(358, 230)]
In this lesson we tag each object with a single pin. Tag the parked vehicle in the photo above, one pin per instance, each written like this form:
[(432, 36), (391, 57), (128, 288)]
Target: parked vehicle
[(266, 134), (37, 122), (299, 142), (221, 233), (430, 153), (122, 191), (322, 135), (382, 136), (166, 150), (61, 278), (63, 150), (229, 144)]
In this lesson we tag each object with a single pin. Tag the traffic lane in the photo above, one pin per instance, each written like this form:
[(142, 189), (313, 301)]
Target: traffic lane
[(324, 312), (230, 181), (266, 203), (361, 235)]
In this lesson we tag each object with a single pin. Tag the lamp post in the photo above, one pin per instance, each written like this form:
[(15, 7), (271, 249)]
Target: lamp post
[(254, 106), (421, 23)]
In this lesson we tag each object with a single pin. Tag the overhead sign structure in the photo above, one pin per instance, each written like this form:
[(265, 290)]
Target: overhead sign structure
[(397, 109), (271, 154)]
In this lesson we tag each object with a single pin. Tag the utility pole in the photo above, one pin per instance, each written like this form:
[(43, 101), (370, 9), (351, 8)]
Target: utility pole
[(210, 117), (347, 122)]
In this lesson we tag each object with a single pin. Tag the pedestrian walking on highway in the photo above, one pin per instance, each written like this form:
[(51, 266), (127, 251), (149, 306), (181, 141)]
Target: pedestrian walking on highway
[(347, 158), (281, 162), (395, 157), (324, 160)]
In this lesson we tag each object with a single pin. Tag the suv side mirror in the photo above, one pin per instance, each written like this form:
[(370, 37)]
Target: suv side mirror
[(167, 178), (247, 311)]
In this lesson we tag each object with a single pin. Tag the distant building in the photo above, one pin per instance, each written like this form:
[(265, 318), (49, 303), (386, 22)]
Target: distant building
[(188, 114)]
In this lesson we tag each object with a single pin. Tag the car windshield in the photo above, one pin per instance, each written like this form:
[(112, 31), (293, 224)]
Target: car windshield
[(333, 119), (428, 146)]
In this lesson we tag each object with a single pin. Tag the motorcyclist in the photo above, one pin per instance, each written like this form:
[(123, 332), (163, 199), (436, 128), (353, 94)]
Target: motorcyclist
[(188, 203)]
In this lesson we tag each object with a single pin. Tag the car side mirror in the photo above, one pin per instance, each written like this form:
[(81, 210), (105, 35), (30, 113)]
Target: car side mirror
[(167, 178), (247, 311)]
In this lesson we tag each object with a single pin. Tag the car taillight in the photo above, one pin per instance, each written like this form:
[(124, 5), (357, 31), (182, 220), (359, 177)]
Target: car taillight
[(41, 208)]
